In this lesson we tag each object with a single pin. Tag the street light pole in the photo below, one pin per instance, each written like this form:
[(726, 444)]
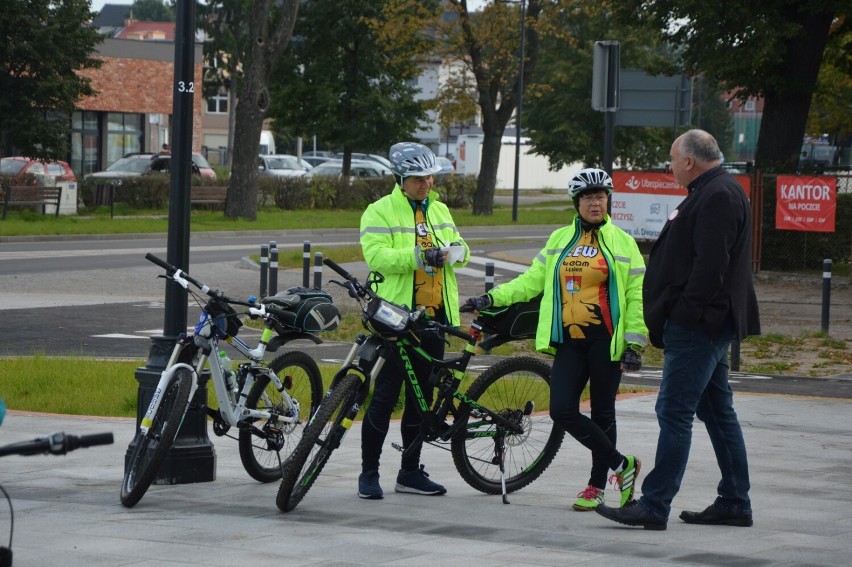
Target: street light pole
[(518, 116)]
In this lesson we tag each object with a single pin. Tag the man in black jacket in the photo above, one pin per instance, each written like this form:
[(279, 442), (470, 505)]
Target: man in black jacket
[(698, 296)]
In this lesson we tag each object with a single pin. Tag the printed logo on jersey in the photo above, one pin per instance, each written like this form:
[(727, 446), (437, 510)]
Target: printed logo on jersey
[(585, 251), (572, 284)]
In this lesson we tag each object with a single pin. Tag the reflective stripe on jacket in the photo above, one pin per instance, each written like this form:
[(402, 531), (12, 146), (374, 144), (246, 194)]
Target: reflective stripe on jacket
[(389, 245), (626, 274)]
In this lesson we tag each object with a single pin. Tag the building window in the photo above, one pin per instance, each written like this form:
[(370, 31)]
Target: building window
[(217, 104), (124, 134), (84, 142), (749, 106)]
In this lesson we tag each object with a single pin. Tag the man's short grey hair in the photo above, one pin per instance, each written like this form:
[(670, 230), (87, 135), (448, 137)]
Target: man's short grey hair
[(700, 145)]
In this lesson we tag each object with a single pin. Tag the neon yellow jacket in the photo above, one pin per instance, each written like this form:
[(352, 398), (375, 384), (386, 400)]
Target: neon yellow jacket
[(389, 245), (627, 272)]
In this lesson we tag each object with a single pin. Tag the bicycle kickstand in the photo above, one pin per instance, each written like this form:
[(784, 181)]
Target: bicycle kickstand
[(500, 441)]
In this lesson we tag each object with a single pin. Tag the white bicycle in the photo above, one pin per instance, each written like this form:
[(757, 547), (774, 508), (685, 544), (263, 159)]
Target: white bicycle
[(269, 404)]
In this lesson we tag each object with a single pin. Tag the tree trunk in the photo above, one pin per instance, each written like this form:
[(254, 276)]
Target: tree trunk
[(268, 39), (483, 199), (785, 110)]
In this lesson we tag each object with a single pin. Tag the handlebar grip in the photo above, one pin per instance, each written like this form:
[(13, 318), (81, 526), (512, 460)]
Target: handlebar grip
[(160, 262), (91, 440), (336, 267)]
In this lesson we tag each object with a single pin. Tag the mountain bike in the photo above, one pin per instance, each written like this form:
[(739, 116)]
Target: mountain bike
[(269, 404), (54, 444), (497, 425)]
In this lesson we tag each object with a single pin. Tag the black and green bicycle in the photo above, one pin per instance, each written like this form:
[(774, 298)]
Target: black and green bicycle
[(497, 425)]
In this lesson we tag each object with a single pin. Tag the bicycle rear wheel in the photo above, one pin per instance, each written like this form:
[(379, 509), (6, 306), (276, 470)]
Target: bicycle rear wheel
[(151, 449), (263, 457), (323, 435), (518, 389)]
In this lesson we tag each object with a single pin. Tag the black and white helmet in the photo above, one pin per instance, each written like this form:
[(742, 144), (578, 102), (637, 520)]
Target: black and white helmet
[(410, 159), (589, 179)]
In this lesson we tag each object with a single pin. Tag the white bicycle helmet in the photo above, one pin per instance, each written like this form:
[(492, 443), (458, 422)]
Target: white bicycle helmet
[(589, 179), (410, 159)]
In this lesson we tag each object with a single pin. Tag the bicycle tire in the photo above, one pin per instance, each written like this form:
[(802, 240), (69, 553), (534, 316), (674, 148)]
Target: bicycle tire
[(150, 450), (507, 388), (322, 436), (260, 457)]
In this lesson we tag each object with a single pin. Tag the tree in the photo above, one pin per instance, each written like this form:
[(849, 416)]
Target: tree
[(346, 80), (767, 48), (488, 43), (153, 11), (251, 36), (45, 44), (558, 113), (830, 111)]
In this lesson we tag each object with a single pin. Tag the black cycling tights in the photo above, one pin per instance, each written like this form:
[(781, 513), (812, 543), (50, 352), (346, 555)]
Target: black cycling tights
[(578, 362), (385, 396)]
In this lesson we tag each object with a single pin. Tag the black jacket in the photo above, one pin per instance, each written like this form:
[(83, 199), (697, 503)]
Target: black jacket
[(699, 270)]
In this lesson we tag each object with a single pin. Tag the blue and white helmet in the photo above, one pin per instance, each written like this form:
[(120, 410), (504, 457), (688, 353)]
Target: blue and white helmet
[(589, 179), (410, 159)]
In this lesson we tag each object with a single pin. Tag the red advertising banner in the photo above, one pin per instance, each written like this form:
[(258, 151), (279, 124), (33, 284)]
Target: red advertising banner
[(642, 202), (805, 203)]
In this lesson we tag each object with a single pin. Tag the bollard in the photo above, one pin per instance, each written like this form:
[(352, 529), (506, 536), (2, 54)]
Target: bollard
[(735, 355), (318, 270), (273, 270), (826, 293), (489, 275), (264, 269), (306, 264)]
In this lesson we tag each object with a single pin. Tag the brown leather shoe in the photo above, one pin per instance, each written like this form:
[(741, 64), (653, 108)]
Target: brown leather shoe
[(715, 516), (631, 514)]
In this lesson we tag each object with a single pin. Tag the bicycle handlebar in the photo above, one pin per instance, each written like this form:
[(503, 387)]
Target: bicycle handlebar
[(56, 444), (177, 274)]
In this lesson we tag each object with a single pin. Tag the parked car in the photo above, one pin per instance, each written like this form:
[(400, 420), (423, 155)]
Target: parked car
[(18, 167), (447, 169), (281, 165), (316, 160), (369, 157), (132, 165), (359, 169)]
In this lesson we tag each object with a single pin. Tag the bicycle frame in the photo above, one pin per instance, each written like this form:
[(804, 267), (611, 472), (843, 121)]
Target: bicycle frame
[(231, 402), (367, 348)]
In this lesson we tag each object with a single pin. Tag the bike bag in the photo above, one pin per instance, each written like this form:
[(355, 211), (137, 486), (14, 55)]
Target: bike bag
[(309, 310), (516, 321)]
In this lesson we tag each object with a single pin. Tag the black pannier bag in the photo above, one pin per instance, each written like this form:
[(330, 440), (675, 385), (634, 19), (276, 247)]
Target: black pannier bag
[(309, 310), (512, 322)]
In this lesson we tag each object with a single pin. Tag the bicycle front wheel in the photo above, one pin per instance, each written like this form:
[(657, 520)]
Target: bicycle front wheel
[(150, 449), (322, 436), (263, 457), (518, 389)]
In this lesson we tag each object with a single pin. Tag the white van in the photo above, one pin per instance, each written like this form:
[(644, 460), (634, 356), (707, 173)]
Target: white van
[(267, 143)]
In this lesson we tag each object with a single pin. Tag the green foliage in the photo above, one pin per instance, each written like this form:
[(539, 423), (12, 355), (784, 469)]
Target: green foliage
[(45, 44), (346, 78), (769, 48), (153, 10), (558, 112)]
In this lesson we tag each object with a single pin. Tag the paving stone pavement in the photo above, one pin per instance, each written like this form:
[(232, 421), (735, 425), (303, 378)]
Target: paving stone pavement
[(67, 510)]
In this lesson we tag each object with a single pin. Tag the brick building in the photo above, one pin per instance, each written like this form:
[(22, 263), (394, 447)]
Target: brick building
[(132, 111)]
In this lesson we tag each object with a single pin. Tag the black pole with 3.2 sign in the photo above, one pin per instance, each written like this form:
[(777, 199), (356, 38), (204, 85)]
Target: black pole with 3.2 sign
[(192, 457)]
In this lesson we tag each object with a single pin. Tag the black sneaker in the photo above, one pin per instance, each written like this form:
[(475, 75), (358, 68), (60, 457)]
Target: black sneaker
[(417, 482), (368, 485)]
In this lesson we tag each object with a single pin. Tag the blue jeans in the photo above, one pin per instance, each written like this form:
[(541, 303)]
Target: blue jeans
[(695, 382)]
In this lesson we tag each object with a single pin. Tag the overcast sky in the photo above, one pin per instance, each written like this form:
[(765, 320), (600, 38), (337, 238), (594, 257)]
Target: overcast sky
[(98, 4)]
